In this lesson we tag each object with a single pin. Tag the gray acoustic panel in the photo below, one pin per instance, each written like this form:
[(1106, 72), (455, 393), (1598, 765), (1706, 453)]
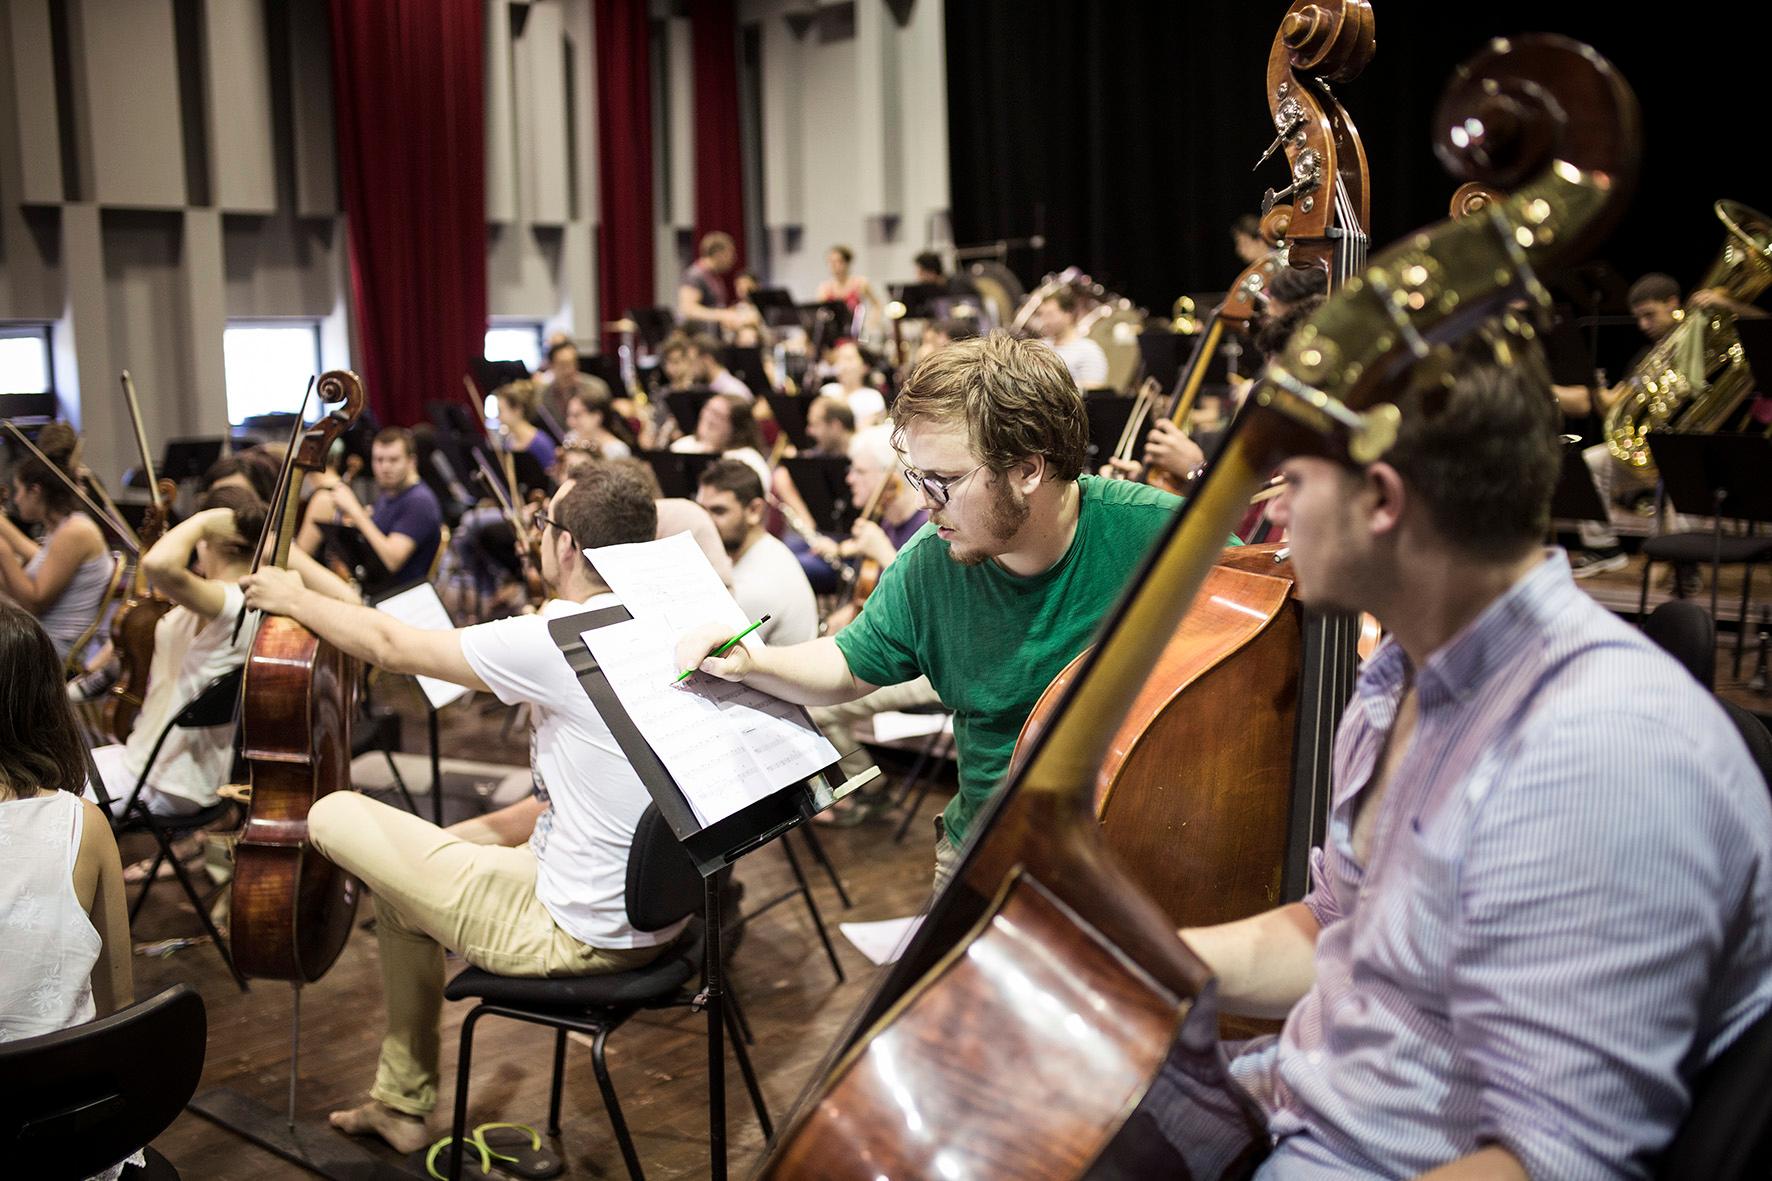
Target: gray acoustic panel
[(242, 158), (128, 57), (543, 152), (501, 117), (316, 151), (33, 101)]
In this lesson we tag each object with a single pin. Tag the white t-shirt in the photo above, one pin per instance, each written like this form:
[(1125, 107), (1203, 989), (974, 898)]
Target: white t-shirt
[(581, 843), (867, 404), (768, 580), (1087, 363), (728, 382), (189, 652)]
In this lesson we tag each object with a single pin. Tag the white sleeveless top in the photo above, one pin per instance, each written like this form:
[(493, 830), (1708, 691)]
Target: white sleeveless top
[(48, 945)]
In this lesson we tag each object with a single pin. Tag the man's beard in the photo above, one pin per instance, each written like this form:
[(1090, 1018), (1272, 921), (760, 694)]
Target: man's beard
[(1007, 513)]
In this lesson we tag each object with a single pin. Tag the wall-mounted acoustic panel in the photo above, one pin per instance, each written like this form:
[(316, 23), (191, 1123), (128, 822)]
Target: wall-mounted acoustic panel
[(501, 115), (32, 105), (310, 92), (243, 176), (128, 58), (543, 152)]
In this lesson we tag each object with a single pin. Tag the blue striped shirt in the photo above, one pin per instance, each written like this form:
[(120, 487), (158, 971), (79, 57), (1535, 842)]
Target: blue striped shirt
[(1566, 909)]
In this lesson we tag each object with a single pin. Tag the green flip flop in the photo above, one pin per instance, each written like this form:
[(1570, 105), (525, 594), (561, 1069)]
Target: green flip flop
[(517, 1149), (471, 1142)]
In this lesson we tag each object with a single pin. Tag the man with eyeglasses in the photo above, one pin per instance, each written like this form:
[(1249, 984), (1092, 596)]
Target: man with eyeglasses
[(1005, 585), (537, 889)]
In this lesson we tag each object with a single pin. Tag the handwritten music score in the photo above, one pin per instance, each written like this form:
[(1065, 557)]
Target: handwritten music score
[(726, 745)]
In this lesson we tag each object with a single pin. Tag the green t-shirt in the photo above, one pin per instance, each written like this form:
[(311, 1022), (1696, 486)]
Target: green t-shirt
[(991, 641)]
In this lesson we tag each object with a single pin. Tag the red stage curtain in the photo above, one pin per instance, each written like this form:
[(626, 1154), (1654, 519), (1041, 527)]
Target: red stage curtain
[(719, 167), (408, 78), (624, 157)]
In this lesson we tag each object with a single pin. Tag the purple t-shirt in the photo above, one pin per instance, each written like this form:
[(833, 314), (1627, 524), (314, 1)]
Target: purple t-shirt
[(900, 533), (415, 512)]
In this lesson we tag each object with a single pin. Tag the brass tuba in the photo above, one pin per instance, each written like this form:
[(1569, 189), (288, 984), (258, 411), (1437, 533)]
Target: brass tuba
[(1696, 378)]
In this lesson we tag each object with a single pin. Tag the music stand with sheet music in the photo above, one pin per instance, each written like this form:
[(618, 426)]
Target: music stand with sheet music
[(419, 605), (1108, 413), (712, 848), (686, 406), (678, 472), (821, 482)]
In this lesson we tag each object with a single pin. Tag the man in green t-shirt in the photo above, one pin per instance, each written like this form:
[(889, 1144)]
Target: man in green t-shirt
[(1005, 585)]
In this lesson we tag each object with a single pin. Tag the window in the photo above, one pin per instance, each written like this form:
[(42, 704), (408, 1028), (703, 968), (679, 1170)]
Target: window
[(515, 341), (268, 365), (24, 359)]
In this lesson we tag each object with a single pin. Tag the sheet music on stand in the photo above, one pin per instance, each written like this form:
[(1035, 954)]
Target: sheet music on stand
[(726, 745), (418, 606)]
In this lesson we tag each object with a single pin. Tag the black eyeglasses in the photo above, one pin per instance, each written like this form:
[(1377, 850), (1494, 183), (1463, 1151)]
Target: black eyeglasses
[(539, 522), (937, 489)]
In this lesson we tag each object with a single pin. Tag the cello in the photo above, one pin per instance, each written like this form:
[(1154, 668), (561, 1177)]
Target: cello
[(292, 908), (1021, 1030), (132, 628)]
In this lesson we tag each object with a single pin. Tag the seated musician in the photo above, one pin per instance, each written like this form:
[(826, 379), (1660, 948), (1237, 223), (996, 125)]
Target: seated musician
[(849, 384), (593, 423), (1020, 560), (676, 514), (519, 407), (197, 564), (727, 428), (554, 907), (1057, 319), (830, 425), (766, 577), (1545, 900), (405, 525), (710, 371), (61, 578)]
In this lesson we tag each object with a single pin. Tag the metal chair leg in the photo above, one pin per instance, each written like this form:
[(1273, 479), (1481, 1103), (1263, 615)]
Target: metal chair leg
[(613, 1107), (464, 1061), (559, 1086), (824, 936), (399, 781), (184, 879), (1643, 595), (1747, 582), (147, 883)]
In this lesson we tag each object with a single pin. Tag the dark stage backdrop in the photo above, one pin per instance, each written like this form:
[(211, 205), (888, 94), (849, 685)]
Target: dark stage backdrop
[(1125, 132)]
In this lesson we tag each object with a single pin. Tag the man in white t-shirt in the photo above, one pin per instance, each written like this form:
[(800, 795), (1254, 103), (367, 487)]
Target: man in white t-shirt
[(1082, 356), (194, 643), (767, 578), (552, 907)]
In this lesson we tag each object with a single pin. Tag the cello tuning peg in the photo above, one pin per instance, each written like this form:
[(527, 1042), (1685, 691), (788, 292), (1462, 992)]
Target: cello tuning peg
[(1279, 140), (1273, 197)]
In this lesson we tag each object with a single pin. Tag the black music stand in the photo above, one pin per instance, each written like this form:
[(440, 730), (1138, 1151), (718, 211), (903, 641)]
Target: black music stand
[(678, 472), (653, 325), (1726, 473), (790, 414), (1756, 345), (489, 375), (821, 482), (826, 323), (1576, 498), (189, 459), (1108, 413), (713, 848), (778, 307), (686, 406), (1162, 354), (746, 363), (606, 369)]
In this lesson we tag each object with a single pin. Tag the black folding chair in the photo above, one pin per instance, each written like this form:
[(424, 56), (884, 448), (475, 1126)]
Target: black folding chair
[(76, 1101), (216, 705)]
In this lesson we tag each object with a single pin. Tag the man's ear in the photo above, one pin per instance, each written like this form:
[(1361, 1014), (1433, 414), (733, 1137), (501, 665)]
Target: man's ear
[(755, 511), (1385, 496), (1029, 474)]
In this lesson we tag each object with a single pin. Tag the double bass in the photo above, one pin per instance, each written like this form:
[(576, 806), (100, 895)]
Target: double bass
[(292, 908), (1021, 1030), (134, 624)]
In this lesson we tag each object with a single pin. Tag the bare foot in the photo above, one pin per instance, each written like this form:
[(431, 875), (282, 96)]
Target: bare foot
[(404, 1133)]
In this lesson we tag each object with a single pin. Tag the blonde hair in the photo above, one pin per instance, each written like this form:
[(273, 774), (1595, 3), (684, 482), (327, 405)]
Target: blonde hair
[(1016, 398), (524, 395)]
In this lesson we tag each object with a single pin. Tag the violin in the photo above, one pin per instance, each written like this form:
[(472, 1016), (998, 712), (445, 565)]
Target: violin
[(292, 908), (1020, 1031), (134, 625), (507, 495)]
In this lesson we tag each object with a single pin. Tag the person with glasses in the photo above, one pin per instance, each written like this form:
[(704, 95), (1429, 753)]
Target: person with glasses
[(553, 906), (1021, 558)]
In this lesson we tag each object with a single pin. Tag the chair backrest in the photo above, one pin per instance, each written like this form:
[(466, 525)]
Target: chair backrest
[(443, 538), (1685, 630), (216, 704), (78, 1100), (663, 884), (1725, 1136)]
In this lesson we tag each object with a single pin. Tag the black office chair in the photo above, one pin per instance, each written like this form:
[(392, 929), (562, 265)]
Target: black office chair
[(216, 705), (1685, 630), (663, 886), (79, 1100), (1726, 1134)]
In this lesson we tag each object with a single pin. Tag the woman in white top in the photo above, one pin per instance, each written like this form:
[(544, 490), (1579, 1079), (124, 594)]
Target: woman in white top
[(866, 403), (727, 428), (61, 579), (593, 424), (64, 928)]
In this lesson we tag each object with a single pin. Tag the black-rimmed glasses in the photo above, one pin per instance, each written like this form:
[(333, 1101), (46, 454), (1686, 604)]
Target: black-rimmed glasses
[(937, 489)]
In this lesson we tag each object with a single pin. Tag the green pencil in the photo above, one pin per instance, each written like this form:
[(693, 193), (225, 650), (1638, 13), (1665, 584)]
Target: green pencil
[(723, 649)]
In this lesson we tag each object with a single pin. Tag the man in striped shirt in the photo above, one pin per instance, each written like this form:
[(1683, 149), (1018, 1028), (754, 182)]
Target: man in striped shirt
[(1545, 898)]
